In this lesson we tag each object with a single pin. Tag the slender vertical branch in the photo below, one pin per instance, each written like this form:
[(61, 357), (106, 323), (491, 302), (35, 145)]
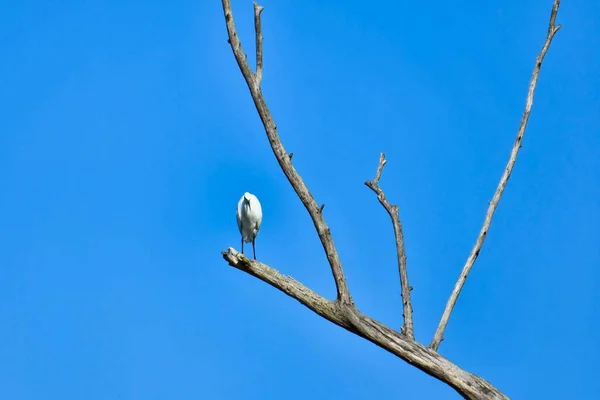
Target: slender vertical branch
[(257, 27), (284, 160), (439, 334), (394, 213)]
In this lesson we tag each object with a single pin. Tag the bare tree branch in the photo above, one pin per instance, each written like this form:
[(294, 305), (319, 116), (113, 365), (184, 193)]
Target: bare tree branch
[(342, 311), (257, 27), (283, 159), (468, 385), (439, 334), (394, 213)]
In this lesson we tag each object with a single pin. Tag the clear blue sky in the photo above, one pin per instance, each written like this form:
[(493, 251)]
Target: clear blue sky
[(128, 135)]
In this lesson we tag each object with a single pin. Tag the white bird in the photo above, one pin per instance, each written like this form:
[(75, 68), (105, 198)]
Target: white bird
[(249, 218)]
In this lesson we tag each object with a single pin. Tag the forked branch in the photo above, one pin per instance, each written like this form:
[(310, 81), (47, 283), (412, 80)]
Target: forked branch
[(394, 213), (285, 161), (342, 311), (439, 333)]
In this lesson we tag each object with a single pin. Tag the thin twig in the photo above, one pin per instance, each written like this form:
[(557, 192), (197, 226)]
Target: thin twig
[(394, 213), (439, 334), (284, 160), (257, 27), (470, 386)]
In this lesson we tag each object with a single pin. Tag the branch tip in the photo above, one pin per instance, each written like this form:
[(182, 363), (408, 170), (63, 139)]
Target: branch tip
[(382, 162), (259, 51)]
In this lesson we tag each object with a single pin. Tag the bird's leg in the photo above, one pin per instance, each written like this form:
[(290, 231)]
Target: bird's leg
[(253, 250), (242, 245)]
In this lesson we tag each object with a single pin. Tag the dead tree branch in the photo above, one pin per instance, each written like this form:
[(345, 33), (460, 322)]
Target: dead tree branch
[(342, 311), (468, 385), (439, 333), (394, 212), (283, 159)]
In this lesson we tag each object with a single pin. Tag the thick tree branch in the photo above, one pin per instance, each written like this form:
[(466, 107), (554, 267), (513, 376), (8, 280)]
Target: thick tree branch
[(394, 213), (348, 317), (439, 334), (283, 159)]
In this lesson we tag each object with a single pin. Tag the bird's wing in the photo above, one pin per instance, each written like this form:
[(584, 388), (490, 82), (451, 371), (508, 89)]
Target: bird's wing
[(239, 221), (238, 214), (257, 210)]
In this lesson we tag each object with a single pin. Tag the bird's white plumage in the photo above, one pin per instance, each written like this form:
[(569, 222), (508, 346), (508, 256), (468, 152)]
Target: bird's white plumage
[(249, 217)]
